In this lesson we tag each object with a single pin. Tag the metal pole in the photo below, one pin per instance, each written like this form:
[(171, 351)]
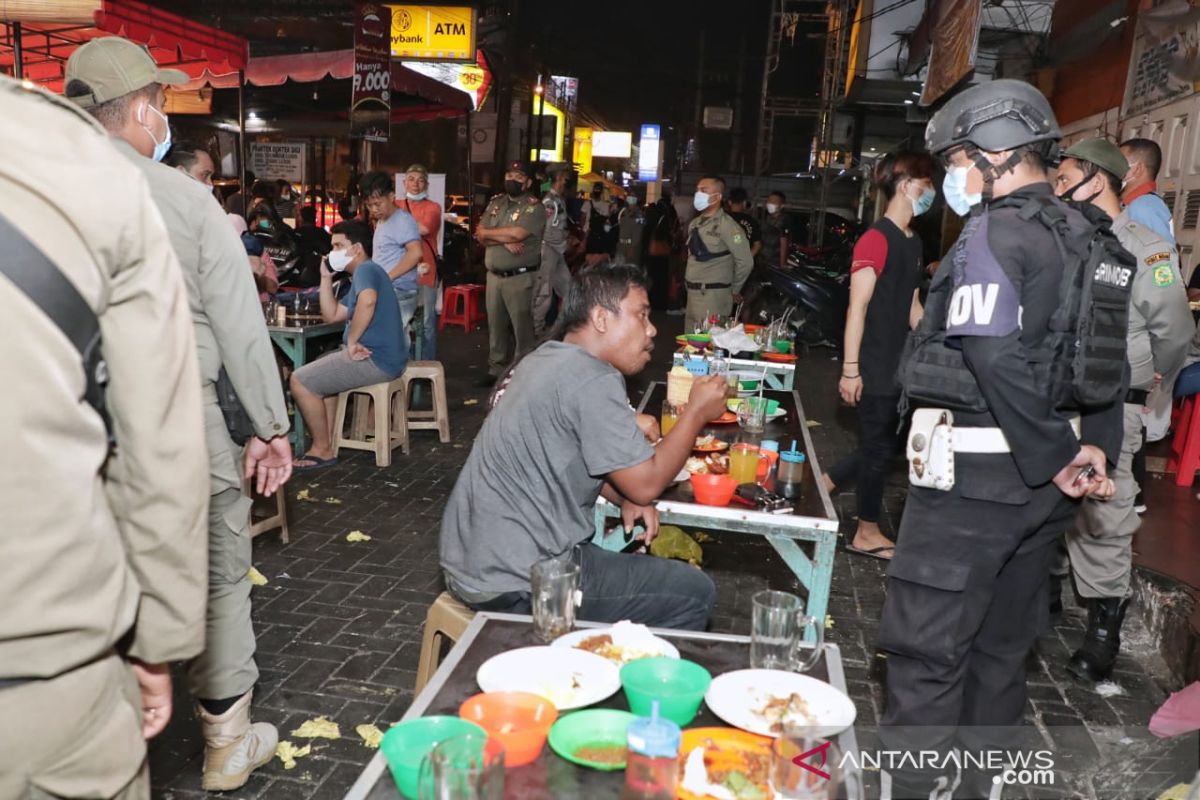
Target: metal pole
[(18, 54), (761, 158), (242, 141), (541, 111), (527, 154)]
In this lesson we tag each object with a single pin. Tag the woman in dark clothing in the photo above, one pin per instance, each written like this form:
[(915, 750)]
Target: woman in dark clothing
[(884, 279)]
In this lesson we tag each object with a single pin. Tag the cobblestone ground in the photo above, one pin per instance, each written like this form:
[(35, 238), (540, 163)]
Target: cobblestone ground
[(339, 623)]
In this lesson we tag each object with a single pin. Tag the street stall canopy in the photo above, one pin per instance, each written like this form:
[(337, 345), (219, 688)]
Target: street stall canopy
[(50, 30), (438, 99)]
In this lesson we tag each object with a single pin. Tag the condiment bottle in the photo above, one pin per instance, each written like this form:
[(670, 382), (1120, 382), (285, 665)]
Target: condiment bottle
[(790, 477), (652, 768)]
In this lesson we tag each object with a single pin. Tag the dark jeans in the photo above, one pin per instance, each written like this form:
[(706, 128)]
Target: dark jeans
[(654, 591), (878, 443)]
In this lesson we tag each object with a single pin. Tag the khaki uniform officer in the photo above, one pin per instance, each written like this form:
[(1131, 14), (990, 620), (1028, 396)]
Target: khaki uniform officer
[(1160, 327), (103, 552), (554, 276), (511, 228), (119, 84), (719, 259)]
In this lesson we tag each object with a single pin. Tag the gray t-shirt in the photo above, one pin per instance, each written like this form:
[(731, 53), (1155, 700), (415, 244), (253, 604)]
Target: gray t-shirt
[(529, 487)]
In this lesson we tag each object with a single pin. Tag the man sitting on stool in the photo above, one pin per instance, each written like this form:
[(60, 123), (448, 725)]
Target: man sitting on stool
[(374, 349)]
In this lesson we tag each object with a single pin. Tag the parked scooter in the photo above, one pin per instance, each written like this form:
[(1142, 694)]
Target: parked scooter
[(814, 295)]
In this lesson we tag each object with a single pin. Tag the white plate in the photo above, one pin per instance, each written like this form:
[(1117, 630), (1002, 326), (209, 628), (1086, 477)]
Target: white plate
[(646, 644), (567, 677), (735, 696)]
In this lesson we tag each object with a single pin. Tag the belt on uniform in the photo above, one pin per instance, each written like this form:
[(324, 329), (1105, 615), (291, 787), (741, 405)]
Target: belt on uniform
[(1137, 397), (515, 272), (987, 440), (703, 287)]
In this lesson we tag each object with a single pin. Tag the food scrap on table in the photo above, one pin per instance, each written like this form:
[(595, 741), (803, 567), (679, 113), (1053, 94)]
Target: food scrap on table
[(333, 501), (357, 536), (304, 495), (319, 728), (288, 753), (626, 641), (370, 734), (256, 577)]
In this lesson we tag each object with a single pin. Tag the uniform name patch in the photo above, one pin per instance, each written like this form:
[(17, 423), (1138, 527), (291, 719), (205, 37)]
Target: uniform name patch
[(1157, 257), (1164, 275), (1113, 275)]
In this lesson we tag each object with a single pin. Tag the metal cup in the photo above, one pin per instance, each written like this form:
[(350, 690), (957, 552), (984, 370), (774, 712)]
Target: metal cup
[(778, 623), (555, 593)]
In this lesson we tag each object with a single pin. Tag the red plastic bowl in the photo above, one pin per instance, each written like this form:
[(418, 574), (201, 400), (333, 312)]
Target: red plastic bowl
[(713, 490)]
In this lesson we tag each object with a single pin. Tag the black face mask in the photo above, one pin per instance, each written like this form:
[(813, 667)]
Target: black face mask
[(514, 188), (1066, 196)]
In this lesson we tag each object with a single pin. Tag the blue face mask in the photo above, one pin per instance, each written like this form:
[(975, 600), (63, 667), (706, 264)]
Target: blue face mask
[(924, 202), (954, 187), (160, 148)]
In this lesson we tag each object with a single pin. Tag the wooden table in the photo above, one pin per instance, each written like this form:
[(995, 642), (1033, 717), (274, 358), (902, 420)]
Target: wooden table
[(812, 520), (293, 341), (551, 777)]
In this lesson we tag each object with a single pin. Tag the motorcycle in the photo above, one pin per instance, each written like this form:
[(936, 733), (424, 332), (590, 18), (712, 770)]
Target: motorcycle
[(811, 293)]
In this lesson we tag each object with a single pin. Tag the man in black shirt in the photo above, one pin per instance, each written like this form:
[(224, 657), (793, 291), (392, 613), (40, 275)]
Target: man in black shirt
[(738, 205), (778, 230)]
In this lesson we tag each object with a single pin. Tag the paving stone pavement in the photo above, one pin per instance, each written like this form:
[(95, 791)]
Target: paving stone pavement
[(339, 623)]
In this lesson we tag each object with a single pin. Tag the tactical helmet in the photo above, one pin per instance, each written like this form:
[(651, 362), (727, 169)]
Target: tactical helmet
[(994, 116), (1101, 152)]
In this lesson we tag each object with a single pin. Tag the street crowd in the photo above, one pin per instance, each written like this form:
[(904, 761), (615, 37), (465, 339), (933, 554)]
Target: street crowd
[(1055, 321)]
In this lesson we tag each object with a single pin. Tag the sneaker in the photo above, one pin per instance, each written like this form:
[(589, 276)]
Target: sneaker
[(1139, 503)]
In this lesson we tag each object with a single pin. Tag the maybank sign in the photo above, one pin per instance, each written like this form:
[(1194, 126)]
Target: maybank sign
[(433, 33)]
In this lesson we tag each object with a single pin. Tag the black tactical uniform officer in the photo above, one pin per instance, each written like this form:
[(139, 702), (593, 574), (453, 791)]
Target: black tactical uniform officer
[(968, 583)]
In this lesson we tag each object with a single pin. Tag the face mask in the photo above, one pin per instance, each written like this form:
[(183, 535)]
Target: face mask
[(700, 201), (772, 208), (514, 188), (924, 202), (631, 201), (264, 225), (954, 187), (338, 260), (417, 196), (160, 148)]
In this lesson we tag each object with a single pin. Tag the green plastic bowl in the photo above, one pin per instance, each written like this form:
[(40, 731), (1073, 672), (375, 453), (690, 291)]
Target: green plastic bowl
[(405, 746), (677, 684), (783, 346), (699, 338), (597, 727)]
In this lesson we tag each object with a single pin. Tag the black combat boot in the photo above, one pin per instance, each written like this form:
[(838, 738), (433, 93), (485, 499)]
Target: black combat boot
[(1094, 660)]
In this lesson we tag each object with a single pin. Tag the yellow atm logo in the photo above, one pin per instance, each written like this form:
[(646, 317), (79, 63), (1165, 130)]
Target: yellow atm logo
[(433, 33)]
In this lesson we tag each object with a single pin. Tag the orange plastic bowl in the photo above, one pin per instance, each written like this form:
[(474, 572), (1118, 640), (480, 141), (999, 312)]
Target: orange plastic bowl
[(518, 720), (713, 490)]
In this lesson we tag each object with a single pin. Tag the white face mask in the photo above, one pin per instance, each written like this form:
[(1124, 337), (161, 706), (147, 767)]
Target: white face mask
[(338, 260), (772, 208), (954, 189), (417, 196), (700, 200)]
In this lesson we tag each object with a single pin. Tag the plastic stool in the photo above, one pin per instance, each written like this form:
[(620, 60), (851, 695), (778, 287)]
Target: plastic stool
[(1185, 447), (439, 418), (463, 305), (391, 425), (446, 619)]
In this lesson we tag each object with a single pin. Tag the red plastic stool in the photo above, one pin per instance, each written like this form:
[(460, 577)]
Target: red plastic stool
[(1185, 447), (463, 305)]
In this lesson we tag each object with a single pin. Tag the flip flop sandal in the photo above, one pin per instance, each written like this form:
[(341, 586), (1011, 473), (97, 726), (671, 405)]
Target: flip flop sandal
[(317, 463), (874, 552)]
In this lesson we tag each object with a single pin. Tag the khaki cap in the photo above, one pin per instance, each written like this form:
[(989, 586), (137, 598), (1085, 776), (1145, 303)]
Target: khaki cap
[(113, 67)]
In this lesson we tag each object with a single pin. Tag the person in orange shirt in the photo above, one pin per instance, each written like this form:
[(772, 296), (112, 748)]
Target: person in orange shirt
[(428, 215)]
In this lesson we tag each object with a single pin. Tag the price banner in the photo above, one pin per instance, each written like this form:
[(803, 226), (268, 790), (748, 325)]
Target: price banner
[(371, 92)]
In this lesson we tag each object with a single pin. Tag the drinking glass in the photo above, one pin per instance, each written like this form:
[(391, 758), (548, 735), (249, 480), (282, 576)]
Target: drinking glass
[(778, 628), (555, 593), (743, 462), (670, 415), (752, 414), (815, 776), (466, 767)]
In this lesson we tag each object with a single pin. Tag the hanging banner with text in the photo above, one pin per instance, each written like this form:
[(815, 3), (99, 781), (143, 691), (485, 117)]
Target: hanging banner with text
[(371, 92), (649, 153), (1164, 65)]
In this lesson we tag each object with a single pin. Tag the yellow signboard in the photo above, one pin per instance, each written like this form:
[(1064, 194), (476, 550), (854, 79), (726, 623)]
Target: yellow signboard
[(433, 33), (582, 150)]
